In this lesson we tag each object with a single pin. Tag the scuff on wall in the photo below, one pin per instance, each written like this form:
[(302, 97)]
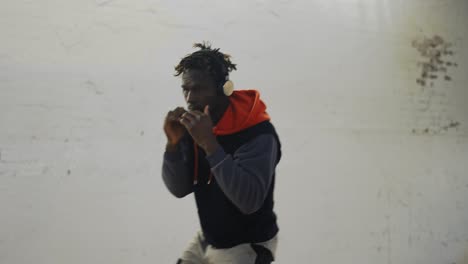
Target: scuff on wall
[(436, 59), (445, 128), (435, 53)]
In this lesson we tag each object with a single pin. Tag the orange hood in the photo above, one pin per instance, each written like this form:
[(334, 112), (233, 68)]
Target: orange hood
[(245, 110)]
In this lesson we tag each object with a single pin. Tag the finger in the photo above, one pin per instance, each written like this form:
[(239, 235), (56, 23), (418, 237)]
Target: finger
[(172, 117), (197, 114), (186, 123), (193, 115), (176, 114), (190, 118), (169, 115), (179, 111)]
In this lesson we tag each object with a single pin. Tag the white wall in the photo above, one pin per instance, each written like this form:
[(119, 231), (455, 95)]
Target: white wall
[(375, 166)]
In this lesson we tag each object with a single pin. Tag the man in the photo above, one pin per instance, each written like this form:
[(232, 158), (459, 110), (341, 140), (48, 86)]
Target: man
[(224, 149)]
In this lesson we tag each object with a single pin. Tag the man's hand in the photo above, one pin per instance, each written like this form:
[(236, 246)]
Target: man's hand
[(172, 127), (200, 127)]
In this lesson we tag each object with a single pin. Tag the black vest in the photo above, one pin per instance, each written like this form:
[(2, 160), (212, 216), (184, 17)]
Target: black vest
[(222, 223)]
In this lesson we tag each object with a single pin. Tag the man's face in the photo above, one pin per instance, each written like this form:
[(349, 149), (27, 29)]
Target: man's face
[(199, 89)]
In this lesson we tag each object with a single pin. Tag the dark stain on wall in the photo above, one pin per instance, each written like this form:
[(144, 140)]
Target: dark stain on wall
[(436, 59)]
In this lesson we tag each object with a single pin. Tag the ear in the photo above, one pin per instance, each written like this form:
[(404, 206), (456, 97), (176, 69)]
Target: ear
[(207, 110)]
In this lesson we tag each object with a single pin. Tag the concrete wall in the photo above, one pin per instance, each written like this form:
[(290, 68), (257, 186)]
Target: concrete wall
[(375, 166)]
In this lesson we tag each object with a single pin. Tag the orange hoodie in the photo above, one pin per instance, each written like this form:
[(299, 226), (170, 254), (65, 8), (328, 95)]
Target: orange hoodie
[(245, 110)]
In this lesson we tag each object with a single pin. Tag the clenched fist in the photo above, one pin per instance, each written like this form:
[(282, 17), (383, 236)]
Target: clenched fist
[(173, 128), (200, 127)]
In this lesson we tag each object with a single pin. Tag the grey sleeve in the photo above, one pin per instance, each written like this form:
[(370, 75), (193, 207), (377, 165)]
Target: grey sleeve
[(245, 177), (175, 174)]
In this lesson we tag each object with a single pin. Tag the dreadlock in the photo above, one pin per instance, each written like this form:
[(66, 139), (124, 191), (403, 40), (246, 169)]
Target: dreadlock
[(217, 64)]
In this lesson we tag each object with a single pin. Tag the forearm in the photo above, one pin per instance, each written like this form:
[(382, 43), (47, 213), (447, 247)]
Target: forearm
[(175, 173), (245, 178)]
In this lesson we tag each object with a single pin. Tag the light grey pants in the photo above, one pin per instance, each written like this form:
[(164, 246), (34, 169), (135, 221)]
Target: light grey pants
[(241, 254)]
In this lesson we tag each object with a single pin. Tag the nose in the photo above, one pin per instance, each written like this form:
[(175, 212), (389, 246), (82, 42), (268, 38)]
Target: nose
[(191, 100), (190, 97)]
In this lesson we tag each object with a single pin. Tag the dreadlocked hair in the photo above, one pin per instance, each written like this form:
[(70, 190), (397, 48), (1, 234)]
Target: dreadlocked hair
[(216, 63)]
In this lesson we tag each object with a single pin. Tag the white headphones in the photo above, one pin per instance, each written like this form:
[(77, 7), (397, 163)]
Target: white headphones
[(228, 87)]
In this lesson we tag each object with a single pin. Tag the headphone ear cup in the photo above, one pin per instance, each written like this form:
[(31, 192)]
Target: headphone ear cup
[(228, 88)]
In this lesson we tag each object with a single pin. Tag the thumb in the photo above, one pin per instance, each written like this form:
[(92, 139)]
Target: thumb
[(207, 110)]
